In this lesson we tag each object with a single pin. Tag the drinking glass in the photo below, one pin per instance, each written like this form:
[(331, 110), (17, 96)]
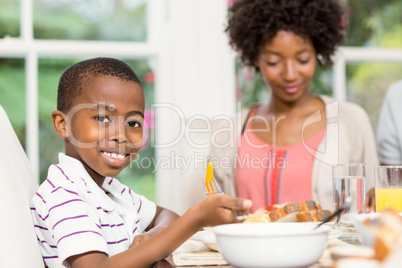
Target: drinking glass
[(349, 185), (388, 187)]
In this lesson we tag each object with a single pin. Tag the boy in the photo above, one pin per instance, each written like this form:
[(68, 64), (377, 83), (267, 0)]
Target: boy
[(83, 216)]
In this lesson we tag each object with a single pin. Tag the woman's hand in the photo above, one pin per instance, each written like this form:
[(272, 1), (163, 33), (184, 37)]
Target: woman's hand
[(370, 201)]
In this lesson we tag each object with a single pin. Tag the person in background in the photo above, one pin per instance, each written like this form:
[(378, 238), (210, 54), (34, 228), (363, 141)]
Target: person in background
[(83, 216), (282, 149), (389, 129)]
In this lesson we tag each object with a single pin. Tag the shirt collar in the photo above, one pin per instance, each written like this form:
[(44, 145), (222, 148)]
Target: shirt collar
[(78, 168)]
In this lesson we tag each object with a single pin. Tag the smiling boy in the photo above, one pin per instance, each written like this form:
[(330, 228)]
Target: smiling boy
[(83, 216)]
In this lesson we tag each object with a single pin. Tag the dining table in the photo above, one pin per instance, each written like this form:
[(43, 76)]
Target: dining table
[(196, 254)]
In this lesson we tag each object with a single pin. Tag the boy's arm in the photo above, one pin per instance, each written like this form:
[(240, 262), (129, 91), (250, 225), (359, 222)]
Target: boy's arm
[(163, 218), (212, 211)]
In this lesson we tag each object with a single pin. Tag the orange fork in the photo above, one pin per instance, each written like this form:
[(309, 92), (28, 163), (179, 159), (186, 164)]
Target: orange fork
[(211, 185), (209, 178)]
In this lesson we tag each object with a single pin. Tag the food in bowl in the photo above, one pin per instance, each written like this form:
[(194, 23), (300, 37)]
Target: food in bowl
[(382, 231), (364, 227), (275, 244), (307, 211)]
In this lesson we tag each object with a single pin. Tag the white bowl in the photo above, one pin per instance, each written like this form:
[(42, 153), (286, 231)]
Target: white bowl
[(276, 244), (367, 237)]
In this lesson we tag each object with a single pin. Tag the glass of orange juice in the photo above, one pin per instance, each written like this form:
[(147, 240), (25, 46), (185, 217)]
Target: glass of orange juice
[(388, 187)]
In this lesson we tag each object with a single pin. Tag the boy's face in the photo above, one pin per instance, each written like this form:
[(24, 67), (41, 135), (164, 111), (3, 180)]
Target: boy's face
[(105, 126)]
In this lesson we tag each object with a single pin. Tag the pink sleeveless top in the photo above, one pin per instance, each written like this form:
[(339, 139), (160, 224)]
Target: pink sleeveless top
[(273, 175)]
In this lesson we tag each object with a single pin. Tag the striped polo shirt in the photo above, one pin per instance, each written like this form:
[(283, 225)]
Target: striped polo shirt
[(73, 215)]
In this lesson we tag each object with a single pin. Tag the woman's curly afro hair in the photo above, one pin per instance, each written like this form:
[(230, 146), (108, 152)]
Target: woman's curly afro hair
[(252, 23)]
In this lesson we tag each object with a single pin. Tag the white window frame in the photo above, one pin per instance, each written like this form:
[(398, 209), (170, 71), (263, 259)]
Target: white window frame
[(346, 55), (31, 50), (174, 48)]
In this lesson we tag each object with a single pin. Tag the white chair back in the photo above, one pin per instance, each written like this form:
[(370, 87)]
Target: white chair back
[(18, 243)]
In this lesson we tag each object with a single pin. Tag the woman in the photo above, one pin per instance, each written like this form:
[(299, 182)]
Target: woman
[(285, 148)]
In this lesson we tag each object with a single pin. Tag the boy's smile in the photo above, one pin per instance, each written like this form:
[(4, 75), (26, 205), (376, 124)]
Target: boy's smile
[(105, 126)]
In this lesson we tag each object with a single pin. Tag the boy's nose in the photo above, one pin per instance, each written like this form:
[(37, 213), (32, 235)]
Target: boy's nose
[(118, 132), (119, 139)]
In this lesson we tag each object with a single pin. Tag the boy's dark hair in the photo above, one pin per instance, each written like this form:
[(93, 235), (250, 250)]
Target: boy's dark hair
[(254, 22), (74, 79)]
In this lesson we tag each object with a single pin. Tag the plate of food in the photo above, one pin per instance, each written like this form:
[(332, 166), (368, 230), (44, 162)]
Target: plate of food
[(332, 234), (307, 211)]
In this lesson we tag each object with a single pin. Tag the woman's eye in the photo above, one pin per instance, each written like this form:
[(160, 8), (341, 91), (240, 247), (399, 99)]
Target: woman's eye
[(133, 124), (271, 63), (102, 119), (304, 61)]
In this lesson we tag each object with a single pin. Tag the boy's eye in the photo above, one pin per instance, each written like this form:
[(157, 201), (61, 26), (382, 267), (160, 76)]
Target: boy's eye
[(102, 119), (133, 124)]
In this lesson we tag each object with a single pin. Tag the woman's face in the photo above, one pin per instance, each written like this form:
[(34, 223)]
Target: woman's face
[(287, 64)]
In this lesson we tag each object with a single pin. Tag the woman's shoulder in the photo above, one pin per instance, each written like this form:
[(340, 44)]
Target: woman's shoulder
[(343, 108)]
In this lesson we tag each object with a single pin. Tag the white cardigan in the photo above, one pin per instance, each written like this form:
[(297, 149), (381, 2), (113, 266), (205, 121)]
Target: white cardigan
[(349, 139)]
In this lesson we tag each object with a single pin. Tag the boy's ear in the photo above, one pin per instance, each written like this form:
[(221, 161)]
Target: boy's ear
[(59, 120)]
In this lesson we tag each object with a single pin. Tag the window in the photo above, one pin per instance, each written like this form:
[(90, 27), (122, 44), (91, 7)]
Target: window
[(185, 58), (61, 31), (180, 46)]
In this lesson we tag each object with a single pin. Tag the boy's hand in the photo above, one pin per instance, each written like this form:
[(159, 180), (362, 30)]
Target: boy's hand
[(221, 209)]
